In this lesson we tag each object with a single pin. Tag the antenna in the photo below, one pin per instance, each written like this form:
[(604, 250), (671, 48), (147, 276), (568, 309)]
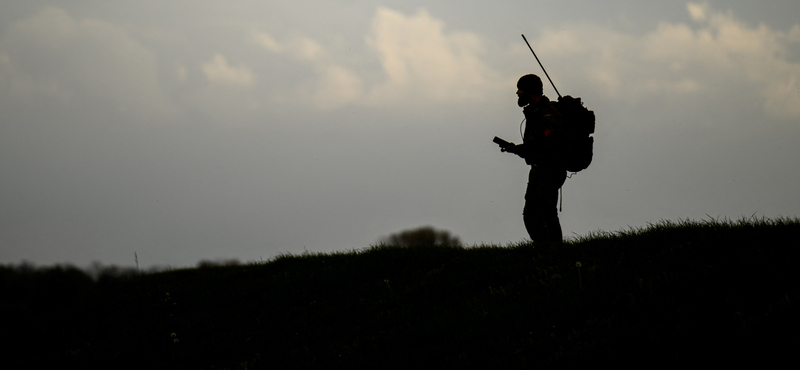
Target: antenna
[(540, 65)]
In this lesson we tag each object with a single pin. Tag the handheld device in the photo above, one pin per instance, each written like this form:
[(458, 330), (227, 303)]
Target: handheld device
[(503, 144)]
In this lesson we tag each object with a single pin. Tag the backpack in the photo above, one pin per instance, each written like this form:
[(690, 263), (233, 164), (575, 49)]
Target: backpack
[(577, 124)]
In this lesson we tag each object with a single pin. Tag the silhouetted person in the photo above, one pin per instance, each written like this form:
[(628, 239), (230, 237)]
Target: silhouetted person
[(540, 149)]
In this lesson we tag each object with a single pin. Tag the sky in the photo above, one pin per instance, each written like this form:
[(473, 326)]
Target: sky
[(178, 131)]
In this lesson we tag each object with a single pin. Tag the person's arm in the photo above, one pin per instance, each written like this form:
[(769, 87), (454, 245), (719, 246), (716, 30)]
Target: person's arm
[(518, 149)]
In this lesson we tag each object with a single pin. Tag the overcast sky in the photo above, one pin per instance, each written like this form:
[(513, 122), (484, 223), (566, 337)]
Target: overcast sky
[(188, 130)]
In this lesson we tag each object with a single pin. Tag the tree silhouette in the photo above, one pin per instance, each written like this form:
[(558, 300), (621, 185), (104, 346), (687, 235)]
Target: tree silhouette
[(424, 235)]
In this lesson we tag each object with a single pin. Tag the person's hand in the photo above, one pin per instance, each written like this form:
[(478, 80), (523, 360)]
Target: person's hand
[(511, 149)]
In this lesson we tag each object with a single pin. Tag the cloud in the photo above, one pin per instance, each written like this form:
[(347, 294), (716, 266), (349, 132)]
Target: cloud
[(420, 63), (218, 70), (338, 86), (308, 49), (335, 85), (697, 11), (782, 98), (420, 60), (716, 54), (302, 48), (266, 41), (51, 59)]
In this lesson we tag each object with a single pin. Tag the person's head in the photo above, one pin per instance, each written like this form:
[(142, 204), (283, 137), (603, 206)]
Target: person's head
[(529, 90)]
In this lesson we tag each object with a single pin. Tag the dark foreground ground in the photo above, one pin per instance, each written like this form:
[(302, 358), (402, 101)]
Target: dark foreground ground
[(707, 293)]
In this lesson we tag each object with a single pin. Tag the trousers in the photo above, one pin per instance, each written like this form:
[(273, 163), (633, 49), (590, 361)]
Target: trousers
[(540, 213)]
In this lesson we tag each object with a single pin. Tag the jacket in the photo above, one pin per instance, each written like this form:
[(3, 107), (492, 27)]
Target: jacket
[(543, 137)]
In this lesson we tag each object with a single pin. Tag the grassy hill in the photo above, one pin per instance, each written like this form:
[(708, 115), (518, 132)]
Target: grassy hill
[(709, 291)]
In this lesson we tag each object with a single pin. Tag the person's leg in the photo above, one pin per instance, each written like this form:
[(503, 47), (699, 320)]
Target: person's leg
[(552, 226), (532, 213), (540, 213)]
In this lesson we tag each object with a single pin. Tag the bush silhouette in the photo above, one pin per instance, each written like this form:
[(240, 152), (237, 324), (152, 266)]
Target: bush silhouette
[(424, 235), (219, 263)]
